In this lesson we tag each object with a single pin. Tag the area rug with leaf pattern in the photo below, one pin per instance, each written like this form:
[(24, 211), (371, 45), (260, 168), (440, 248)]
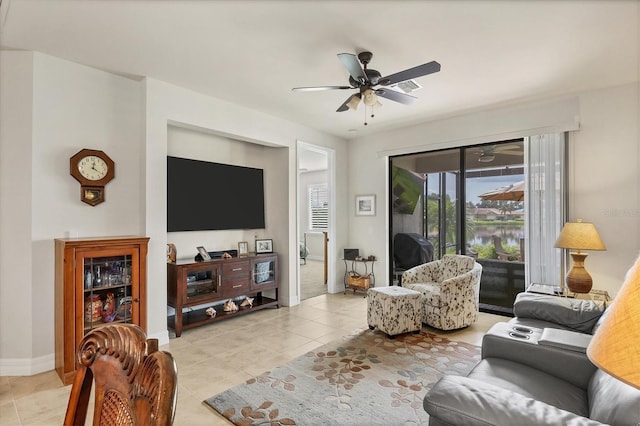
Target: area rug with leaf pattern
[(362, 379)]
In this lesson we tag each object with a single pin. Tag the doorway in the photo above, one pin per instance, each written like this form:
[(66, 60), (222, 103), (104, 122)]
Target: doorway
[(315, 217)]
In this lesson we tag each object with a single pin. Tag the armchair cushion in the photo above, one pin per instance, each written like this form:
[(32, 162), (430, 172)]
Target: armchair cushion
[(573, 314)]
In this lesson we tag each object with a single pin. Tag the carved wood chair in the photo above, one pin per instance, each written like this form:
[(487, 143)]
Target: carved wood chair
[(135, 384)]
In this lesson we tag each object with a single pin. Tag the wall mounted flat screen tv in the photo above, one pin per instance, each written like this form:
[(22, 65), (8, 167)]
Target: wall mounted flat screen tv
[(211, 196)]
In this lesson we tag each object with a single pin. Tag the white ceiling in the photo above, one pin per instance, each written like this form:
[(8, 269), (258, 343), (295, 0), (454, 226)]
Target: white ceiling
[(253, 52)]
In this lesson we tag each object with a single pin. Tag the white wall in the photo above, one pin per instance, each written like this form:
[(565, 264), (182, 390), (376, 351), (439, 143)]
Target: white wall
[(604, 167), (66, 108), (16, 106), (604, 179)]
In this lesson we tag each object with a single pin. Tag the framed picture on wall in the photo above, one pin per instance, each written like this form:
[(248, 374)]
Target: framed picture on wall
[(365, 205), (243, 248), (204, 253), (264, 246)]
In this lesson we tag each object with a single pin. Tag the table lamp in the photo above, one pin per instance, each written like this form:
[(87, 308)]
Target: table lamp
[(580, 236), (615, 347)]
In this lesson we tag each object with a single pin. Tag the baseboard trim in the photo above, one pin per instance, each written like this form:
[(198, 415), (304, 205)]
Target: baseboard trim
[(33, 366), (315, 258), (26, 366)]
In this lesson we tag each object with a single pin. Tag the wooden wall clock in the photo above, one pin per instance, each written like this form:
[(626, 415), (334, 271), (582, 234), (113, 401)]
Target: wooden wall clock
[(93, 169)]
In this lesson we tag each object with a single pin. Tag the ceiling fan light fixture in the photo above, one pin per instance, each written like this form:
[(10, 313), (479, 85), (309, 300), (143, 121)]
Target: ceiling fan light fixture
[(370, 98), (354, 102), (486, 158)]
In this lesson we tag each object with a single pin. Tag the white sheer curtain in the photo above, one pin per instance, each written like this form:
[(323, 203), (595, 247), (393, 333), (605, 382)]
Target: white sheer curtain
[(545, 211)]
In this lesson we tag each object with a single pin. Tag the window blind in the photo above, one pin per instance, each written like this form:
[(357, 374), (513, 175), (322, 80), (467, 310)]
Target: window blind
[(319, 207)]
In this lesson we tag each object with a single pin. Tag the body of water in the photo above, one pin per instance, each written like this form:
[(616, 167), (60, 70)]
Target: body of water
[(509, 234)]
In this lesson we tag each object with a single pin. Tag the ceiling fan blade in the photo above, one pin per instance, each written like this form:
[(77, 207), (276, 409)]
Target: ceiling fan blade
[(415, 72), (345, 105), (396, 96), (505, 147), (352, 64), (320, 88)]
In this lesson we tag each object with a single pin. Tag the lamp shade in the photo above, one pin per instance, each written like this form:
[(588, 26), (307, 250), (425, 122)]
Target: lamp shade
[(615, 347), (354, 101), (580, 236)]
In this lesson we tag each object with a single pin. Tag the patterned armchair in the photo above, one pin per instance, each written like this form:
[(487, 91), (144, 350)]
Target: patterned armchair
[(450, 290)]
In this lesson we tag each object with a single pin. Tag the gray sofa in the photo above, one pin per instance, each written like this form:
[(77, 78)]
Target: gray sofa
[(534, 371)]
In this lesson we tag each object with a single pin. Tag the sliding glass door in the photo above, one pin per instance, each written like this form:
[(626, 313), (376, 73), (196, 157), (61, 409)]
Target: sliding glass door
[(501, 203), (467, 201)]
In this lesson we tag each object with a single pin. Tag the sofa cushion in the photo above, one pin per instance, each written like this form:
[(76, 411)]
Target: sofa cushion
[(612, 401), (455, 400), (578, 315), (531, 383)]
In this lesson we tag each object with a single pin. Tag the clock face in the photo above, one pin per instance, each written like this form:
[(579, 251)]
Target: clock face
[(93, 167)]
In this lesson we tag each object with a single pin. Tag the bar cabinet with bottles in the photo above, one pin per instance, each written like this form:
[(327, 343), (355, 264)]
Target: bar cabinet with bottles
[(98, 281)]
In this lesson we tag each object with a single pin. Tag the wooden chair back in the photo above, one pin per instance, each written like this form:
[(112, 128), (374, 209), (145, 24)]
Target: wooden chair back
[(134, 383), (502, 253)]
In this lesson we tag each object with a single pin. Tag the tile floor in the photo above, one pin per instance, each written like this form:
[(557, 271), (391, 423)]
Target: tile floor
[(219, 356)]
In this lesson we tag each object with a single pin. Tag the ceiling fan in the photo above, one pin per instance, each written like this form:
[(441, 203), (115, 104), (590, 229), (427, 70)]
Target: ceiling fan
[(487, 154), (366, 80)]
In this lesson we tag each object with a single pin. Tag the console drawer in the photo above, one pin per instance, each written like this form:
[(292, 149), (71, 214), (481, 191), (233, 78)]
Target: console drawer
[(235, 287), (234, 270)]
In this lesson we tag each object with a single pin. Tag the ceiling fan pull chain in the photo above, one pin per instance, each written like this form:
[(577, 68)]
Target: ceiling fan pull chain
[(365, 115)]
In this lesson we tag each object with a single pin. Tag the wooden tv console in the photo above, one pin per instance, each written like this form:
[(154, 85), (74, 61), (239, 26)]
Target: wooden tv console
[(192, 285)]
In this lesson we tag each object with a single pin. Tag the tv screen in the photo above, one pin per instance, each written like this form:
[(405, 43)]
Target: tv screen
[(407, 188), (212, 196)]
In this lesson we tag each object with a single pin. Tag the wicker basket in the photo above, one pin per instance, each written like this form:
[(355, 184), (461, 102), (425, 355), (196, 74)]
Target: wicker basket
[(359, 281)]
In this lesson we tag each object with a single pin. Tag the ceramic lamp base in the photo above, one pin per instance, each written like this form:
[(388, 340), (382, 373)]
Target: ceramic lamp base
[(578, 279)]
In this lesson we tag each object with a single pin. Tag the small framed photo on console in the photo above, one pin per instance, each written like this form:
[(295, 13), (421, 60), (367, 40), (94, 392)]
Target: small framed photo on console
[(204, 253), (264, 246), (243, 248)]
